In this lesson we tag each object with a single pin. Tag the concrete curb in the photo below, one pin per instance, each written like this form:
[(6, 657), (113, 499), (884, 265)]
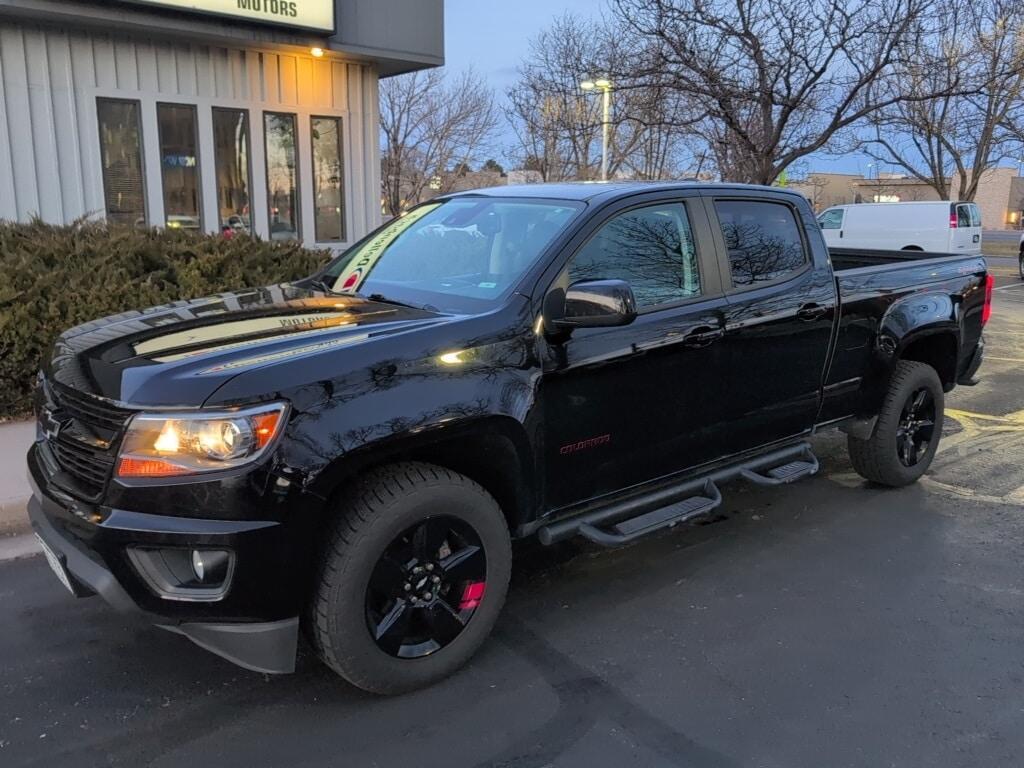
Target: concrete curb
[(18, 547), (14, 517)]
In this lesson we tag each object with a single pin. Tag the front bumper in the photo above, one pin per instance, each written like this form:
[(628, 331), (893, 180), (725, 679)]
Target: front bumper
[(256, 624)]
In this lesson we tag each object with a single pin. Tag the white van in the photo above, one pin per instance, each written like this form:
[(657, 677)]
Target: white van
[(934, 226)]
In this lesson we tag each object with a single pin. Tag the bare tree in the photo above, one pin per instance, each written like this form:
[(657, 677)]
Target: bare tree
[(430, 125), (559, 127), (774, 82), (948, 142)]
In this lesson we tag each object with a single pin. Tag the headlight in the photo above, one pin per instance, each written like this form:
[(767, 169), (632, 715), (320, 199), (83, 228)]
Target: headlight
[(175, 444)]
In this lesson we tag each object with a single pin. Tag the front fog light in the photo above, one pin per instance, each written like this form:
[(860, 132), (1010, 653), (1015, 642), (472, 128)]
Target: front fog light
[(210, 564), (191, 575)]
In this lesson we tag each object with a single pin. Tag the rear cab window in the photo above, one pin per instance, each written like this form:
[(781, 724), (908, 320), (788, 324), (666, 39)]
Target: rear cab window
[(762, 239), (652, 248)]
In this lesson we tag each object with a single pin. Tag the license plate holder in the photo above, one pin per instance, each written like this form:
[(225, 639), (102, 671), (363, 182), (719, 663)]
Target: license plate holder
[(56, 564)]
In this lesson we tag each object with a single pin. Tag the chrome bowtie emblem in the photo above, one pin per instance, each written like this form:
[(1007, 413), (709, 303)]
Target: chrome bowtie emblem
[(51, 427)]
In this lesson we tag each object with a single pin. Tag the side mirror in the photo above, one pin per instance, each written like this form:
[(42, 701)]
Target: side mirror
[(594, 304)]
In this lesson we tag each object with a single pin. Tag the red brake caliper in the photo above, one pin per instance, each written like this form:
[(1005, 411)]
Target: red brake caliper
[(472, 595)]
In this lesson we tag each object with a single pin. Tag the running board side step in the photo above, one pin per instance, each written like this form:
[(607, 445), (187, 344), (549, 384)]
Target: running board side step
[(627, 520)]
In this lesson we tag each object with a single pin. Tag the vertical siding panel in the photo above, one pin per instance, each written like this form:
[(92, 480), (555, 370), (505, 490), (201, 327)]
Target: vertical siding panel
[(205, 84), (323, 94), (83, 72), (240, 75), (185, 65), (167, 68), (272, 89), (106, 67), (355, 138), (339, 79), (222, 85), (65, 121), (289, 87), (307, 93), (19, 121), (8, 191), (149, 75), (371, 167), (126, 65), (44, 136)]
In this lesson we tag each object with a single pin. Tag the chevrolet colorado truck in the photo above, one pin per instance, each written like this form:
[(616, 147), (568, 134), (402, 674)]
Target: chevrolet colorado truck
[(354, 453)]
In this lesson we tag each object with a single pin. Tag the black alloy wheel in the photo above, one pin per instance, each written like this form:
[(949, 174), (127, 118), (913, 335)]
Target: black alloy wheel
[(916, 427), (426, 587)]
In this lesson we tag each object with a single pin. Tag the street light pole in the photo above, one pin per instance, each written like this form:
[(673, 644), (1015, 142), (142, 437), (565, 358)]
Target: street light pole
[(605, 86)]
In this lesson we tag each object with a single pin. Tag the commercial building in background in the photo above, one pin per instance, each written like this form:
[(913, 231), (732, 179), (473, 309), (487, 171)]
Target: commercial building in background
[(1000, 195), (248, 115)]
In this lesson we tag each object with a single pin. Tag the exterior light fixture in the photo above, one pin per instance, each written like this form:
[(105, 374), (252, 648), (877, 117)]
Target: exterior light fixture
[(317, 52)]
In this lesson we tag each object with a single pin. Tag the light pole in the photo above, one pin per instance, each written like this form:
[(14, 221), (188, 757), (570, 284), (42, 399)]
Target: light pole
[(605, 86)]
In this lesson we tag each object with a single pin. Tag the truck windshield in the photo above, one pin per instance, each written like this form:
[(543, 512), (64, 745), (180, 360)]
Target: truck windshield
[(458, 255)]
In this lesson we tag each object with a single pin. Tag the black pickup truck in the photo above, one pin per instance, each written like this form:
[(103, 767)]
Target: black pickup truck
[(353, 453)]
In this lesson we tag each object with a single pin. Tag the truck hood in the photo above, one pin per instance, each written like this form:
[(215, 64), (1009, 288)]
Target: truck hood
[(180, 354)]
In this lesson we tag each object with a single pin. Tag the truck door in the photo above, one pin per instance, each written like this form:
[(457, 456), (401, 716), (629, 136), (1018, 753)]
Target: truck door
[(629, 404), (778, 327)]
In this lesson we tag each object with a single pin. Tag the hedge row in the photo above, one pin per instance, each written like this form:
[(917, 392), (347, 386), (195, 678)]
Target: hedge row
[(55, 277)]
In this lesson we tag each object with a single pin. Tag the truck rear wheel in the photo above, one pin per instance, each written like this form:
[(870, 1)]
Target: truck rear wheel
[(412, 580), (908, 429)]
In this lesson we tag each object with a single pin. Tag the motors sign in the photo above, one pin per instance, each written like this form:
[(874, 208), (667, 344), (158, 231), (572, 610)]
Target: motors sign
[(305, 14)]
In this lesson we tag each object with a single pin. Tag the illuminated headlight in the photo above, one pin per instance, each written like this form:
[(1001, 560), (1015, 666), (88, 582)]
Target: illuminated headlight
[(175, 444)]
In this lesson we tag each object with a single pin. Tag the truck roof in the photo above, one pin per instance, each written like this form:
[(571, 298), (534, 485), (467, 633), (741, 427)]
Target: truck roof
[(607, 190)]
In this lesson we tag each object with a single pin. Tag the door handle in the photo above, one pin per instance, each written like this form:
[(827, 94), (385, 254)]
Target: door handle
[(702, 336), (811, 311)]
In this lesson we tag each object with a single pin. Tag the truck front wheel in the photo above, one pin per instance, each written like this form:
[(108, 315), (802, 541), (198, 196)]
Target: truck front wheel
[(908, 429), (412, 580)]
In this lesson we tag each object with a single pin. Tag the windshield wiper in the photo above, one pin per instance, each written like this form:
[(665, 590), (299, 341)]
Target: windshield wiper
[(382, 299), (321, 285)]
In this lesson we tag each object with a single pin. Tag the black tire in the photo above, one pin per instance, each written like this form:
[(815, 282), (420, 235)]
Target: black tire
[(883, 457), (1020, 264), (379, 514), (912, 248)]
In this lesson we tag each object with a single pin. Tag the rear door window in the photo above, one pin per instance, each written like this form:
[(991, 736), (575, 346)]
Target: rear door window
[(831, 219), (651, 248), (975, 215), (762, 239), (963, 216)]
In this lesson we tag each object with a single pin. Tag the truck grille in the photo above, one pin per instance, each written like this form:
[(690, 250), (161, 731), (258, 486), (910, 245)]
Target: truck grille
[(85, 447), (89, 410)]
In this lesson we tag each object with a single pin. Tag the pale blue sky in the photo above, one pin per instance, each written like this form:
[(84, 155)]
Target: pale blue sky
[(492, 35)]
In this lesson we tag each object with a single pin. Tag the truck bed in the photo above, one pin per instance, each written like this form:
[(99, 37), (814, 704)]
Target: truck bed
[(856, 258)]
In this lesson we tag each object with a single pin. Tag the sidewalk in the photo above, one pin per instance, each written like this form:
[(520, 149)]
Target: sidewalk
[(15, 439)]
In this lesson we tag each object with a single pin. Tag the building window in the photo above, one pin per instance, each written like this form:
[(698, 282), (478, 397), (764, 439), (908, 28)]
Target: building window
[(179, 163), (328, 179), (231, 155), (282, 172), (124, 191)]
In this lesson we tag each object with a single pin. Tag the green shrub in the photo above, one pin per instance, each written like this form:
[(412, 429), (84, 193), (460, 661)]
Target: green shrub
[(55, 277)]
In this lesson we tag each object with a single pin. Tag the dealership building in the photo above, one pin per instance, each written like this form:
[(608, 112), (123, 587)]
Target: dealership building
[(213, 115)]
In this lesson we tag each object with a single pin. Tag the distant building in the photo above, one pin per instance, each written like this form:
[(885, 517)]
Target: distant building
[(1000, 194)]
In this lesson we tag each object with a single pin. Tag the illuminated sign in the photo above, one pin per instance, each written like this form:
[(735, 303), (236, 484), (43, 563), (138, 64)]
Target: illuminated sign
[(306, 14)]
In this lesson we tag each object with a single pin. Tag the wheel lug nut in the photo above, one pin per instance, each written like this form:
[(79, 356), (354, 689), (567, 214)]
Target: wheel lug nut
[(435, 579), (407, 587), (426, 595), (430, 566)]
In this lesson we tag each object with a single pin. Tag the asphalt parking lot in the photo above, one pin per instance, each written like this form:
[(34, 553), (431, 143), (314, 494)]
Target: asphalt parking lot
[(829, 624)]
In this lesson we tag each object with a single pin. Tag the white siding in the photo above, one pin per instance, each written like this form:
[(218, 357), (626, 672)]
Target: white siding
[(50, 79)]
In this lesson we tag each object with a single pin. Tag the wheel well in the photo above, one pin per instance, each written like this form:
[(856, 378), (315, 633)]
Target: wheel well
[(911, 248), (490, 459), (938, 351)]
